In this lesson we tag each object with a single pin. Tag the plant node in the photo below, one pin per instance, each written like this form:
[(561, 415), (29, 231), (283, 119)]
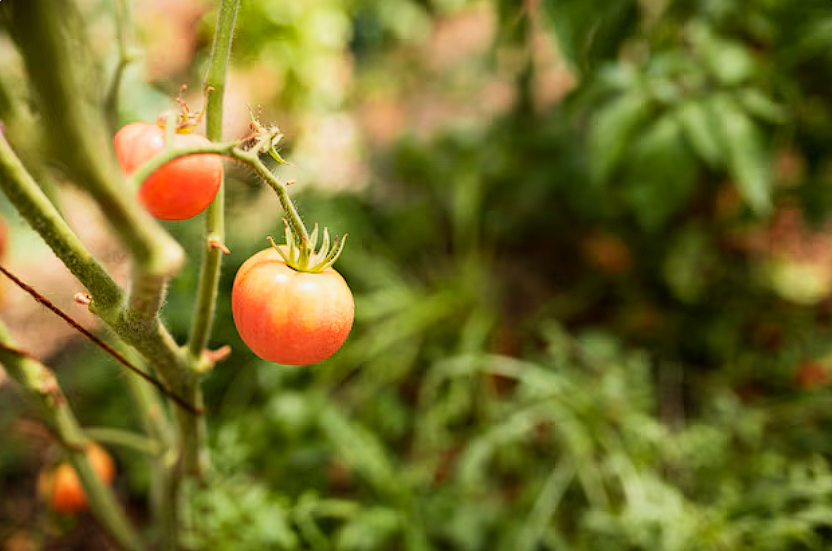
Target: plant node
[(263, 137)]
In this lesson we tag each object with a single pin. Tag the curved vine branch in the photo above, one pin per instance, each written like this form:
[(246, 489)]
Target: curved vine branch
[(101, 344), (236, 150)]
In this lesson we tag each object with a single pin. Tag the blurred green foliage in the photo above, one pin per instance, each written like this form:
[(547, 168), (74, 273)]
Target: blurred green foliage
[(596, 316)]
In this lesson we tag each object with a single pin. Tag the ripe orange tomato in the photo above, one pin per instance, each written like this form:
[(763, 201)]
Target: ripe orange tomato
[(178, 190), (62, 487), (290, 317)]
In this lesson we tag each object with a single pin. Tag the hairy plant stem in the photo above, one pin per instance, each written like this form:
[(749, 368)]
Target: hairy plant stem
[(78, 136), (53, 32), (163, 502), (234, 151), (209, 274), (163, 463), (141, 329), (30, 201), (52, 42), (40, 386), (144, 333), (108, 302)]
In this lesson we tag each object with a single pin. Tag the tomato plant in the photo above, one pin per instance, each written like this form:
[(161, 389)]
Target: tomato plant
[(178, 190), (289, 316), (62, 488)]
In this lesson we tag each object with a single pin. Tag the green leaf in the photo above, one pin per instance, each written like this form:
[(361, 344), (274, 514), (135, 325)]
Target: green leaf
[(612, 130), (591, 31), (748, 160), (660, 174), (761, 106), (473, 464), (369, 530), (360, 449), (701, 130), (545, 506), (729, 61)]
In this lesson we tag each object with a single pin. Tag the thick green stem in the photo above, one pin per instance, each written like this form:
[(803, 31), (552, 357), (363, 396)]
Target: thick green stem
[(35, 207), (147, 335), (53, 48), (51, 39), (125, 39), (157, 426), (209, 275), (52, 42), (38, 384), (166, 501), (137, 328)]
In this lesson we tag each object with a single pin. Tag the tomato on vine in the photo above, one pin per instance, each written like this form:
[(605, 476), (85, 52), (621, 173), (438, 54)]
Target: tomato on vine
[(178, 190), (292, 307), (62, 488)]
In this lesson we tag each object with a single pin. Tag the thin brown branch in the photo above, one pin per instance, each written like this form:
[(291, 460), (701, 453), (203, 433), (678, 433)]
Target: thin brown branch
[(98, 342)]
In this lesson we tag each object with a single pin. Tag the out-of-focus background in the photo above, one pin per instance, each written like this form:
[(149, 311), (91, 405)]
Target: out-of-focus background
[(591, 249)]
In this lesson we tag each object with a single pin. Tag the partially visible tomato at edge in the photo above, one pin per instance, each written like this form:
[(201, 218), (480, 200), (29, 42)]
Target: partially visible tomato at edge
[(178, 190), (290, 317), (62, 488)]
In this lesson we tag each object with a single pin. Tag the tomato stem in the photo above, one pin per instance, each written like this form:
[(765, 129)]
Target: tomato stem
[(124, 438), (195, 448), (124, 36), (262, 142), (209, 272)]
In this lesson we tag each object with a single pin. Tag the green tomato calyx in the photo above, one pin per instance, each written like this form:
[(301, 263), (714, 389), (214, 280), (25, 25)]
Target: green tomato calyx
[(305, 255)]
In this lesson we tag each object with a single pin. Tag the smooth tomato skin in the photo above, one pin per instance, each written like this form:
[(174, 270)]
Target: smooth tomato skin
[(62, 487), (178, 190), (290, 317)]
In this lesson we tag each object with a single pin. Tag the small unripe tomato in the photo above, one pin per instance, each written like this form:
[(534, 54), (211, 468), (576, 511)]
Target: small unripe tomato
[(290, 317), (62, 488), (178, 190)]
